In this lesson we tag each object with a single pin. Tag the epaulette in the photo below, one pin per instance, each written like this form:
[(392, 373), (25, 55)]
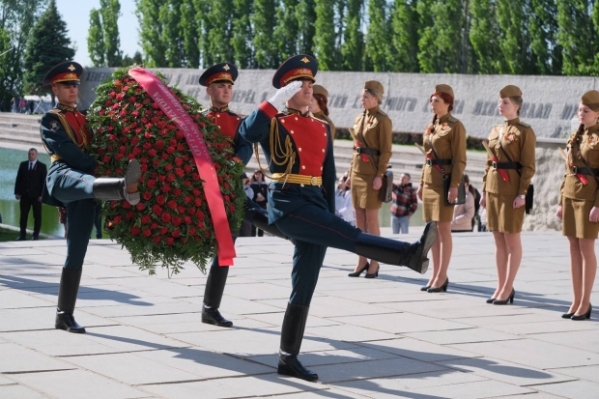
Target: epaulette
[(56, 111), (526, 125), (382, 113), (452, 120), (318, 119), (206, 111)]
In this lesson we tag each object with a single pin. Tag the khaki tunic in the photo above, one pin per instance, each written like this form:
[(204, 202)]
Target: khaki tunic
[(578, 199), (320, 115), (519, 141), (375, 133), (449, 140)]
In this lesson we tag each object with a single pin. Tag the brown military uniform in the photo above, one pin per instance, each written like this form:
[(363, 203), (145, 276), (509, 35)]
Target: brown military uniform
[(577, 199), (519, 141), (448, 136), (372, 129), (321, 116)]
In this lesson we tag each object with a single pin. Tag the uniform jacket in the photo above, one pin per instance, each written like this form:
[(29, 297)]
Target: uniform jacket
[(519, 142), (587, 147), (306, 142), (373, 128), (228, 123), (66, 138), (30, 183), (449, 140)]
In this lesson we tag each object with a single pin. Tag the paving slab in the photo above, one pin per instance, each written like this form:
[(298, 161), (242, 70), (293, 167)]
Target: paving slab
[(20, 392), (462, 336), (42, 318), (417, 349), (572, 389), (16, 359), (400, 322)]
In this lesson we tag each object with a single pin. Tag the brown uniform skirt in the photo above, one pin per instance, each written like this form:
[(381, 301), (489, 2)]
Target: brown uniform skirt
[(433, 204), (501, 215), (575, 216), (362, 194)]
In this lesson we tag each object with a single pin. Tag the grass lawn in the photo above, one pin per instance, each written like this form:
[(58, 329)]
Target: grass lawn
[(11, 235)]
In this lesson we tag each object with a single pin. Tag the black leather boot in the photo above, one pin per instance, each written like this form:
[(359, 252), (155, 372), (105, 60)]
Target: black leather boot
[(292, 334), (399, 253), (67, 296), (113, 188), (215, 286), (259, 218)]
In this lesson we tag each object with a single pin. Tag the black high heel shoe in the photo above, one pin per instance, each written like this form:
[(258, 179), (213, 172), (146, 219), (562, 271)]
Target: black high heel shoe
[(491, 300), (375, 274), (357, 274), (425, 288), (567, 315), (510, 299), (587, 315), (441, 288)]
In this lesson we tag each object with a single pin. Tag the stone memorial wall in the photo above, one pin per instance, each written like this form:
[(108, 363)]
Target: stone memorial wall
[(550, 102)]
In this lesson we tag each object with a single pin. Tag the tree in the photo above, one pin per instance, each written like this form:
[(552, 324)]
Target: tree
[(483, 37), (514, 41), (111, 11), (577, 36), (242, 34), (189, 29), (150, 32), (172, 35), (352, 49), (221, 32), (543, 32), (287, 31), (377, 38), (404, 37), (324, 35), (306, 18), (48, 45), (95, 39), (263, 20), (137, 59), (202, 8)]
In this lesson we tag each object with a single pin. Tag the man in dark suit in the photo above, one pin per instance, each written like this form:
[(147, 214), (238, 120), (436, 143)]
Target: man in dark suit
[(28, 190)]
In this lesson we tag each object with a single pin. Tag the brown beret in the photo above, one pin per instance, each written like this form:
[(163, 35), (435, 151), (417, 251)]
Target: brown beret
[(443, 88), (591, 100), (318, 89), (510, 91), (375, 86)]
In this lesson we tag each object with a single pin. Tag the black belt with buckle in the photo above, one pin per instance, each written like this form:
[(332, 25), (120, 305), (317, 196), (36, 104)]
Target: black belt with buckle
[(440, 162), (506, 165), (369, 151), (584, 171)]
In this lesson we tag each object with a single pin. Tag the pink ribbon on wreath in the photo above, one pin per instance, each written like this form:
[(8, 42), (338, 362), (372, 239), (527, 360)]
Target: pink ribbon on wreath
[(173, 109)]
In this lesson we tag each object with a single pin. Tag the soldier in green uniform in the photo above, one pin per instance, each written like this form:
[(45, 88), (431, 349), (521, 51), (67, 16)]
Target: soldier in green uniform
[(579, 205), (445, 143), (299, 151), (505, 182), (71, 183)]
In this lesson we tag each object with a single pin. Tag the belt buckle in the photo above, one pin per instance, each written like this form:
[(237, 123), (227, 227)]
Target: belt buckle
[(494, 165), (429, 162), (574, 169), (314, 181)]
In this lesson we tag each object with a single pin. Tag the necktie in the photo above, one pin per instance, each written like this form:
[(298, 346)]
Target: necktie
[(30, 165)]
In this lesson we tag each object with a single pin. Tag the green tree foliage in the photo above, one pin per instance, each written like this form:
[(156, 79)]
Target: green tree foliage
[(172, 35), (324, 36), (484, 35), (111, 11), (403, 48), (221, 32), (204, 26), (547, 55), (95, 39), (578, 39), (242, 34), (150, 32), (514, 40), (287, 29), (442, 30), (377, 37), (306, 18), (352, 49), (48, 45), (189, 29), (137, 59), (264, 43)]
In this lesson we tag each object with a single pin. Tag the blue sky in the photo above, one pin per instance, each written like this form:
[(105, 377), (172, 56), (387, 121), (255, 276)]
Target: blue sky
[(76, 14)]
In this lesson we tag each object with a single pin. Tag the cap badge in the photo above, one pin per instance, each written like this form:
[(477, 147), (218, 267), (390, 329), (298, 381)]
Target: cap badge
[(305, 60), (71, 68), (226, 67)]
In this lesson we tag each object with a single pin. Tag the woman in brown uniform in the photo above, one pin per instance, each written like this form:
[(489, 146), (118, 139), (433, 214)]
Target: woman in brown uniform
[(507, 176), (579, 205), (319, 106), (445, 144), (372, 151)]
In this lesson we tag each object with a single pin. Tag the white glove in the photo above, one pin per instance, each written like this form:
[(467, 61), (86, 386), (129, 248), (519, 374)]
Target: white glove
[(285, 93)]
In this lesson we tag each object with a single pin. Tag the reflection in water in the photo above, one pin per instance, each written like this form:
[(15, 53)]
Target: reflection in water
[(9, 206)]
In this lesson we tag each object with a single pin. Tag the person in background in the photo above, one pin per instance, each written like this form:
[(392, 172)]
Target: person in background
[(319, 106), (260, 189), (62, 218), (246, 227), (403, 205), (98, 220), (343, 205), (463, 214), (29, 187)]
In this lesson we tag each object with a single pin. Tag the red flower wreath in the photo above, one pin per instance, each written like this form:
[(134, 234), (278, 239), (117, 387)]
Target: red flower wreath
[(172, 223)]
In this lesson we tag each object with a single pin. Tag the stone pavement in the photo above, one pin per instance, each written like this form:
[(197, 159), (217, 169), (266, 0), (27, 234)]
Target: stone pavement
[(379, 338)]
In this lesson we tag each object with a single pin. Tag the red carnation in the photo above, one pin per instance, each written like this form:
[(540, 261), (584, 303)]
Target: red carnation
[(177, 192), (157, 239), (166, 188), (145, 219), (187, 199), (166, 217), (170, 241), (176, 233), (135, 230), (157, 209), (152, 153), (179, 172), (141, 206), (172, 204), (151, 183), (147, 232), (168, 167), (191, 231), (163, 231), (178, 161)]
